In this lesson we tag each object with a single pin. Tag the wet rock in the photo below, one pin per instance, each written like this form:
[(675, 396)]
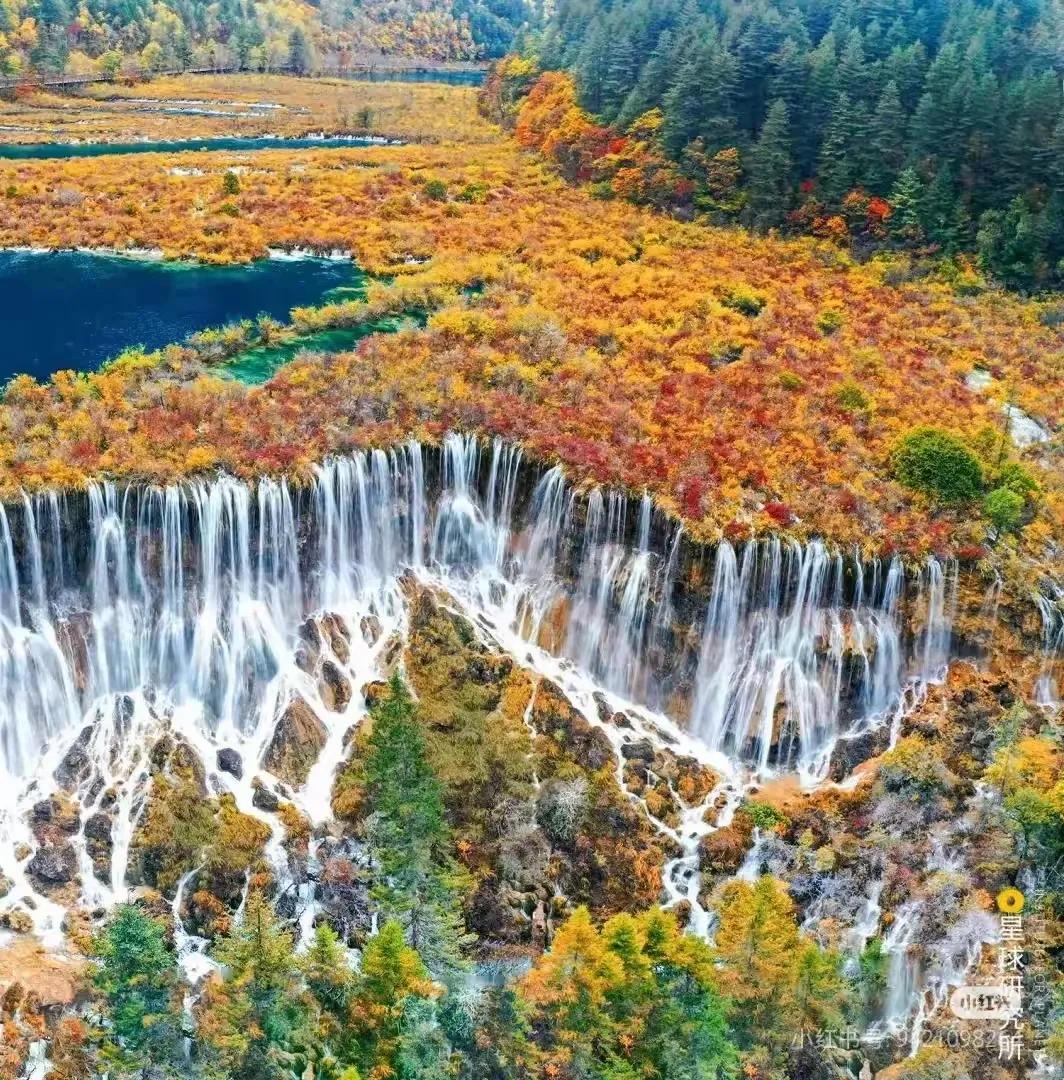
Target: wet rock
[(99, 844), (54, 818), (229, 761), (540, 936), (73, 636), (334, 688), (851, 752), (264, 799), (52, 866), (723, 851), (5, 885), (553, 715), (297, 741), (336, 632), (76, 766), (683, 913), (16, 920), (98, 827), (374, 693), (308, 649), (371, 629), (640, 750)]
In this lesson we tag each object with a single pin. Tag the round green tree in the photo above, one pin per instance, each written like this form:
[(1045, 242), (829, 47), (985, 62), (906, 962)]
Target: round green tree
[(1004, 508), (938, 464)]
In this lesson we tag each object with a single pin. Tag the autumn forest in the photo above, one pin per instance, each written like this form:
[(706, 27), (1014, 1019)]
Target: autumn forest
[(615, 629)]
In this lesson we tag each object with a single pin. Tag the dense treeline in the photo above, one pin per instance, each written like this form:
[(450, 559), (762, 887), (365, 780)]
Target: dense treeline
[(108, 36), (945, 115)]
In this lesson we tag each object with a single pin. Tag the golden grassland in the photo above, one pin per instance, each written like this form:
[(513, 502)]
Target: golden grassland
[(161, 110), (750, 384)]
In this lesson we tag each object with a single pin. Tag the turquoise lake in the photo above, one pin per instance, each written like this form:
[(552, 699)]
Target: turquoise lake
[(75, 310)]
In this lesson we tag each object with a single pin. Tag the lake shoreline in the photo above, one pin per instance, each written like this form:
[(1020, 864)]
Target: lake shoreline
[(157, 255)]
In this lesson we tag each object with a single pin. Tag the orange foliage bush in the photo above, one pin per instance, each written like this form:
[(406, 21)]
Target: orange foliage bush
[(603, 335)]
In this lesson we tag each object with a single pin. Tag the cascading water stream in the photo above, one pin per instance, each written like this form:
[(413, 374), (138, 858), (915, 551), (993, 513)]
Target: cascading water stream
[(130, 610), (1050, 684)]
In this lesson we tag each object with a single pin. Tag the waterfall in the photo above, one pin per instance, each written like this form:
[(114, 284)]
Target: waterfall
[(126, 609), (1050, 683), (786, 646), (903, 968), (196, 593)]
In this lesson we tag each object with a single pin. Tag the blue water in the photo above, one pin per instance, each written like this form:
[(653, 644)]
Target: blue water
[(74, 310), (74, 150), (473, 77)]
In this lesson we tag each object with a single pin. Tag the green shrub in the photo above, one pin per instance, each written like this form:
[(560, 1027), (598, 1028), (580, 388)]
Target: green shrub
[(1004, 508), (850, 396), (436, 189), (743, 300), (938, 464), (829, 320), (915, 767), (1015, 477), (473, 193), (791, 380), (231, 183), (764, 816)]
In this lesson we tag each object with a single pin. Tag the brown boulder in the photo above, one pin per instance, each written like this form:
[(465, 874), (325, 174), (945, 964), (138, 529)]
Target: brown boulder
[(99, 844), (374, 693), (297, 741), (334, 688)]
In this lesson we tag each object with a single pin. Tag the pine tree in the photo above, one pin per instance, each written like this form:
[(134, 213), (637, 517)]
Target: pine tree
[(771, 170), (590, 68), (1013, 245), (409, 836), (787, 81), (391, 979), (638, 997), (942, 212), (777, 987), (1050, 157), (935, 127), (259, 1020), (838, 165), (653, 81), (906, 198), (300, 56), (851, 76), (699, 102), (138, 978), (823, 63), (886, 141), (758, 44), (618, 77), (327, 972)]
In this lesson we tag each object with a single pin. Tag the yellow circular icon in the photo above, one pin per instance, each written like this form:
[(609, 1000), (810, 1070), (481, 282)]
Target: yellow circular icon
[(1010, 901)]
